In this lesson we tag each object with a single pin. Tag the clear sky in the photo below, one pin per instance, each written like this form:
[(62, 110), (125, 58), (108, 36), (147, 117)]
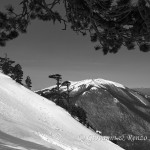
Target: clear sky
[(46, 49)]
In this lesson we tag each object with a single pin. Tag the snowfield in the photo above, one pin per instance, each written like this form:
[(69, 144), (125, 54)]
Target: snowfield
[(31, 122)]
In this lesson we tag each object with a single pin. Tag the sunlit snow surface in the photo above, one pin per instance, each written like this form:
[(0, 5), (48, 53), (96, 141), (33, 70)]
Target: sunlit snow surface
[(97, 82), (94, 82), (31, 122)]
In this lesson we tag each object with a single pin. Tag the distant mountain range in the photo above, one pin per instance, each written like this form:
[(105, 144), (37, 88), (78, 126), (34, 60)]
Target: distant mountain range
[(143, 90), (113, 109)]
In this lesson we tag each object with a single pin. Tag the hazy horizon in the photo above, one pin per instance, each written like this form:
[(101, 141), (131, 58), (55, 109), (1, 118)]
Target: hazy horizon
[(46, 49)]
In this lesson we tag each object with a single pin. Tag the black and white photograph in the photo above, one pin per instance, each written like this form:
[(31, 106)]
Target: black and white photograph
[(74, 74)]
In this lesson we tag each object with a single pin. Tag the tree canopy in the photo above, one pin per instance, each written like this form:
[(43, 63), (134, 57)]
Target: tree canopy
[(17, 73), (58, 79), (28, 82), (110, 23)]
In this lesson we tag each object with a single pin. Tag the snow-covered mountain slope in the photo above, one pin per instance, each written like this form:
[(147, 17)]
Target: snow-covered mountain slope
[(77, 87), (112, 109), (31, 122), (87, 82)]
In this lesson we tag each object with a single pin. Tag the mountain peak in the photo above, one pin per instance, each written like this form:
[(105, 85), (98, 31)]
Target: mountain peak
[(99, 83)]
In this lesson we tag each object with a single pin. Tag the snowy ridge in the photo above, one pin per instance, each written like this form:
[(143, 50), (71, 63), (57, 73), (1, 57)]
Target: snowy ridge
[(30, 117), (94, 82), (103, 82)]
